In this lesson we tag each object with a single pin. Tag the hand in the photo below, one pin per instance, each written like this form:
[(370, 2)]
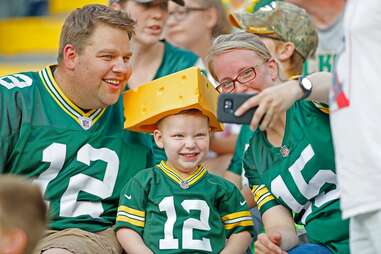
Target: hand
[(271, 102), (268, 244)]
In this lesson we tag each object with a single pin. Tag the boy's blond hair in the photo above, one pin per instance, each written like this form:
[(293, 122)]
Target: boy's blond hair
[(22, 207), (191, 111)]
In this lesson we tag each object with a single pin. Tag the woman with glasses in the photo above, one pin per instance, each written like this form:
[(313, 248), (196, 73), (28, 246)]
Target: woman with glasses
[(152, 58), (195, 25), (290, 165)]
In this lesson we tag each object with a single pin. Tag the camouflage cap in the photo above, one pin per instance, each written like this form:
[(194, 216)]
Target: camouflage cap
[(281, 20)]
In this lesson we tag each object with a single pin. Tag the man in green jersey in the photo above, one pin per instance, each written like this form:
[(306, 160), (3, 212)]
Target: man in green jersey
[(290, 165), (177, 206), (63, 127)]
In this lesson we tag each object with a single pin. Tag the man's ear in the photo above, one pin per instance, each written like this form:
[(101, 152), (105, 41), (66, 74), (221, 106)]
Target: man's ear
[(14, 241), (70, 55), (285, 50), (157, 135)]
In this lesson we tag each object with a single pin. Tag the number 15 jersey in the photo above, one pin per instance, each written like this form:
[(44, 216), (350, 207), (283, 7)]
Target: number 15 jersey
[(80, 159)]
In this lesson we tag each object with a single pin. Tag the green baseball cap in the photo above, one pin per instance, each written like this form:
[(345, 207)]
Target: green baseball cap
[(280, 20)]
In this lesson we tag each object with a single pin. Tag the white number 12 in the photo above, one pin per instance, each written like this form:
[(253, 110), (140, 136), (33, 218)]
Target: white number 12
[(167, 205), (55, 154)]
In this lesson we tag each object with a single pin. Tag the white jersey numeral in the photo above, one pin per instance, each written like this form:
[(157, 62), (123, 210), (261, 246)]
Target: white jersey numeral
[(309, 190), (55, 154), (16, 80), (167, 205)]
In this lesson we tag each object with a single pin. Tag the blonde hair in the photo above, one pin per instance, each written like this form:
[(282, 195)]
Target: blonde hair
[(240, 40), (81, 23), (22, 207)]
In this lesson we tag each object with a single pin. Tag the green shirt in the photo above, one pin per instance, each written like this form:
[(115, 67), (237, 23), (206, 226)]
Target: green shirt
[(301, 174), (243, 140), (80, 160), (175, 215)]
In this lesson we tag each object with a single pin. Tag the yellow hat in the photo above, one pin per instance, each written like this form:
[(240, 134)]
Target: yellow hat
[(186, 89)]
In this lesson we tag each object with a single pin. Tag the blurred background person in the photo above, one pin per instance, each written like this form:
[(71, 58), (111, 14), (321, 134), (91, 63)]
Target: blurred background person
[(23, 215), (328, 17)]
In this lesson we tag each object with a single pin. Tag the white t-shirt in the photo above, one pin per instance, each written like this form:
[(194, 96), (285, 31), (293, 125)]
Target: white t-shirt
[(356, 109)]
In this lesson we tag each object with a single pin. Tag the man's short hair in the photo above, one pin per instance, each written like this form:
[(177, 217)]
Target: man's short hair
[(80, 24)]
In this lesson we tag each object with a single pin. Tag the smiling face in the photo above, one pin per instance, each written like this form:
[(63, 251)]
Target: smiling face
[(150, 19), (101, 70), (227, 65), (185, 139)]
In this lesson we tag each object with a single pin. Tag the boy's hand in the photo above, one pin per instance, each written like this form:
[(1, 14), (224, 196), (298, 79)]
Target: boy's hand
[(268, 244)]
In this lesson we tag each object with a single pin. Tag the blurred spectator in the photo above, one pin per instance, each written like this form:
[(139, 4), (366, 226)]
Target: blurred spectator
[(328, 19), (23, 215)]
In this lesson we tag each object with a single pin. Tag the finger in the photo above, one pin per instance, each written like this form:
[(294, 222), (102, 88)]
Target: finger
[(269, 245), (267, 119), (276, 238), (248, 104), (262, 249), (257, 117)]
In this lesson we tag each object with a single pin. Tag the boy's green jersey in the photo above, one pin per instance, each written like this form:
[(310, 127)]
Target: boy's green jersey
[(81, 160), (301, 175), (175, 215)]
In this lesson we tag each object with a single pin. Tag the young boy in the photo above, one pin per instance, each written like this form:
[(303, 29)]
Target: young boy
[(22, 215), (177, 206)]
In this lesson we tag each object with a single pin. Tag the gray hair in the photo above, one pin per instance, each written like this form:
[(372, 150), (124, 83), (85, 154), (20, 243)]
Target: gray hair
[(239, 40)]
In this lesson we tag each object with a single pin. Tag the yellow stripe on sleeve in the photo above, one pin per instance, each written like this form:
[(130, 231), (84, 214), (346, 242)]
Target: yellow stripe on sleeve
[(236, 215), (239, 224), (131, 221), (131, 211)]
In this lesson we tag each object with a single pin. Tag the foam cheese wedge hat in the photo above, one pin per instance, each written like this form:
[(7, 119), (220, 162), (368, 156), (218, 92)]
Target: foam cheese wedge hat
[(168, 95)]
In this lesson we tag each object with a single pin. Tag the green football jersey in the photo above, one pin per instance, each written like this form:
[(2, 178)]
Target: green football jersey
[(175, 215), (244, 137), (81, 160), (174, 60), (301, 175)]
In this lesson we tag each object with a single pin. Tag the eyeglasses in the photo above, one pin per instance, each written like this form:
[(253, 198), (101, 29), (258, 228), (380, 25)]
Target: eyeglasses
[(244, 76), (181, 14)]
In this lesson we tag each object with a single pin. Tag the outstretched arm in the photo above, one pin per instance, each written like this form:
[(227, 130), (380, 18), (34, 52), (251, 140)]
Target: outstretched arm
[(277, 99), (132, 242), (237, 243)]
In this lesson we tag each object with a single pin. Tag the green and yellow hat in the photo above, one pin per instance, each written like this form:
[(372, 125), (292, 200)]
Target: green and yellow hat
[(280, 20), (187, 89)]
